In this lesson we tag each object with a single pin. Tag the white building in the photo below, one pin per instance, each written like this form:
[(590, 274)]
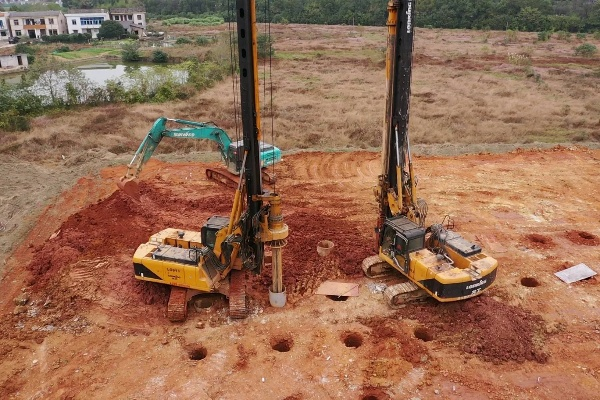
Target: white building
[(4, 31), (86, 21), (14, 61), (36, 24), (132, 19)]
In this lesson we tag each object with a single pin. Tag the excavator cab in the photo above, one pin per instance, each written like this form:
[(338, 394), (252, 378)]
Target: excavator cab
[(210, 228), (408, 236), (269, 155)]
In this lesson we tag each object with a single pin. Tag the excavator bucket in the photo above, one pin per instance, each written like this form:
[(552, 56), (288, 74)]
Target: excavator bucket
[(130, 187)]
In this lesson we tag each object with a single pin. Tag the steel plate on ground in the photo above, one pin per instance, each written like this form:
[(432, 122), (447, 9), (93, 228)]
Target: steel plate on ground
[(330, 288), (575, 273)]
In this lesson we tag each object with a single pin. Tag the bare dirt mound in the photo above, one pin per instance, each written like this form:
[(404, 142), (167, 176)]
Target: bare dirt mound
[(492, 330)]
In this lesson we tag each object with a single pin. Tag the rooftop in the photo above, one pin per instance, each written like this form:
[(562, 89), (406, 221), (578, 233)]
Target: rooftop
[(127, 10), (34, 14)]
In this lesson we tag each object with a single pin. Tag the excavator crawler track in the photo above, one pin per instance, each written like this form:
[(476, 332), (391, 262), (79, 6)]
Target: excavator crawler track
[(238, 302), (268, 177), (397, 296), (230, 180), (375, 267), (177, 307), (225, 178)]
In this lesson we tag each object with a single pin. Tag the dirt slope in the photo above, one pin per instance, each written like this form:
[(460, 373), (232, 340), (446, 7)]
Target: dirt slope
[(90, 330)]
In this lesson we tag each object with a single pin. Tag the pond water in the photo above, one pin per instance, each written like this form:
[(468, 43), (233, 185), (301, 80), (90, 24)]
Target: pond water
[(99, 73)]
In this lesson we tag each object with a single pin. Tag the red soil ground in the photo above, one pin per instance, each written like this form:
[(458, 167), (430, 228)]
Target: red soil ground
[(90, 330)]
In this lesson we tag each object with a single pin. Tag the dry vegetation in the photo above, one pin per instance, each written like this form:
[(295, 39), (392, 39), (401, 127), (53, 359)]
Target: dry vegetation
[(469, 87)]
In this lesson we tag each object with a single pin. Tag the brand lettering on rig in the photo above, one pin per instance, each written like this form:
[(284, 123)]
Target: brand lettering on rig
[(409, 15), (473, 286), (183, 134)]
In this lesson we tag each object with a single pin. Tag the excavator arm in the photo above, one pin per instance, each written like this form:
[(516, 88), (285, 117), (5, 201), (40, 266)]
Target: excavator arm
[(195, 130)]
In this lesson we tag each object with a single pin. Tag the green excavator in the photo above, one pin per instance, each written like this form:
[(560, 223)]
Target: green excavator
[(231, 152)]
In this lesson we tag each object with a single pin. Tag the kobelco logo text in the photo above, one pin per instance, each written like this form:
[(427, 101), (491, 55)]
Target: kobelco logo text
[(477, 284), (409, 15)]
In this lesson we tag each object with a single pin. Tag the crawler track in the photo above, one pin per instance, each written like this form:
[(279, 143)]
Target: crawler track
[(177, 307), (238, 302)]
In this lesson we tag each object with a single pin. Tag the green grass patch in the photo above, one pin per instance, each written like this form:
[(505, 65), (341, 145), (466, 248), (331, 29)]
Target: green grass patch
[(87, 53), (552, 135)]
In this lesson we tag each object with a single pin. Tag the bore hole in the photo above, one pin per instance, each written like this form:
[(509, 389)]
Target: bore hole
[(530, 282), (282, 345), (423, 334), (197, 353), (372, 393), (352, 339), (536, 238), (337, 298)]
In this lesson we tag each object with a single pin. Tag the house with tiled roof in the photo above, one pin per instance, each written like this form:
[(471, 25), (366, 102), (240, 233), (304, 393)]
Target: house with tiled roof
[(132, 19)]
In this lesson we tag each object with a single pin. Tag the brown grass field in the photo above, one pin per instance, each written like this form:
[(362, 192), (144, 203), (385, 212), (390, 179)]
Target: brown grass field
[(328, 92), (506, 138)]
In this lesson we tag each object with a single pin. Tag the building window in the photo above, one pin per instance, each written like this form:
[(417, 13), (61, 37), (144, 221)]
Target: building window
[(16, 22), (75, 31), (42, 21), (53, 31), (18, 33), (92, 21), (3, 33), (51, 21), (1, 24), (130, 17), (139, 16), (73, 22)]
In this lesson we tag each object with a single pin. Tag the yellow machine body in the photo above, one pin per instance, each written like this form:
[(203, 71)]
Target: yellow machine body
[(172, 257), (444, 281)]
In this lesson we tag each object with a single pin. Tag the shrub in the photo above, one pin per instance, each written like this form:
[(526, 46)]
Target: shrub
[(183, 40), (563, 35), (63, 49), (265, 46), (11, 122), (111, 30), (544, 36), (586, 50), (203, 41), (511, 36), (597, 35), (581, 36), (159, 56), (64, 38), (130, 51)]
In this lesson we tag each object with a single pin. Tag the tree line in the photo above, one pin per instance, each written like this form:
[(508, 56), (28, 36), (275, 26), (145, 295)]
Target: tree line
[(524, 15)]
